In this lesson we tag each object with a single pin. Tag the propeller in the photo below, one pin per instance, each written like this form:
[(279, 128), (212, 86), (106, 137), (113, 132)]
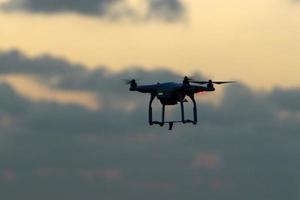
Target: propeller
[(187, 79), (212, 82), (129, 81)]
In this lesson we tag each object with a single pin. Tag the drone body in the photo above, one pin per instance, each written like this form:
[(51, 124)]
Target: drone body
[(171, 93)]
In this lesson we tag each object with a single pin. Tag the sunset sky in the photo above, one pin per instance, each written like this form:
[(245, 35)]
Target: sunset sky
[(257, 42)]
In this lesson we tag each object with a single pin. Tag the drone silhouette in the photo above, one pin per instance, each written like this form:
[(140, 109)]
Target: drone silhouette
[(171, 93)]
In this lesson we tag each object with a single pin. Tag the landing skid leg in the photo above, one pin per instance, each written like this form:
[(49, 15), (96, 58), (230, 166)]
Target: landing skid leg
[(150, 109), (194, 108), (170, 125), (163, 115), (182, 112)]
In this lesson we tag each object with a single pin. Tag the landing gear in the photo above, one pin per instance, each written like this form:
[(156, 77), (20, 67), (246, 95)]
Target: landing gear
[(150, 109), (171, 123), (163, 114), (194, 108), (182, 112)]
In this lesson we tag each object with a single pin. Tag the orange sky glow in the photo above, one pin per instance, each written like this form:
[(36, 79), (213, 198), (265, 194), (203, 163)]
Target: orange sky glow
[(256, 42)]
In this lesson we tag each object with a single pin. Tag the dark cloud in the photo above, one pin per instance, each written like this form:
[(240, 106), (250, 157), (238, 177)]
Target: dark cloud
[(242, 149), (15, 62), (168, 10), (93, 7), (286, 98), (11, 103)]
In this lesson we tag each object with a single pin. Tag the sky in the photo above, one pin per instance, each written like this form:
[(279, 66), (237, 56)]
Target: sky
[(70, 129), (254, 41)]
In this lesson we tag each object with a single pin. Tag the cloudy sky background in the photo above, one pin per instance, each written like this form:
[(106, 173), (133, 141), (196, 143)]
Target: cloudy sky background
[(253, 40), (69, 128)]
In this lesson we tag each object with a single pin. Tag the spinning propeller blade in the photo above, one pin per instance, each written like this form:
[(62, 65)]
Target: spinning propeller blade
[(223, 82), (212, 82), (129, 81)]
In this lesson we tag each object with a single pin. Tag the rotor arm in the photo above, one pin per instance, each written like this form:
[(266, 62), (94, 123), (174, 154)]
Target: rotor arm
[(146, 89), (196, 89)]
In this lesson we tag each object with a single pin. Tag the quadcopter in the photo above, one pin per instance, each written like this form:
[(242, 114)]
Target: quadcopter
[(171, 93)]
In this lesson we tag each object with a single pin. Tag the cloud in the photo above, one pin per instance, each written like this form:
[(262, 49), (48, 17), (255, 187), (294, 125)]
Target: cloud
[(94, 7), (8, 175), (241, 149), (167, 10), (15, 62), (286, 98), (35, 90), (170, 10), (11, 103), (207, 160)]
